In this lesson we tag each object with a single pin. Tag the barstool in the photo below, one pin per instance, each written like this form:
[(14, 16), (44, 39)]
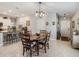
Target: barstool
[(8, 37), (14, 35)]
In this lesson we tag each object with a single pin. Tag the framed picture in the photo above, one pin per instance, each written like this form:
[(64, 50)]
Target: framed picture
[(46, 23), (1, 24), (28, 23), (53, 23), (73, 24)]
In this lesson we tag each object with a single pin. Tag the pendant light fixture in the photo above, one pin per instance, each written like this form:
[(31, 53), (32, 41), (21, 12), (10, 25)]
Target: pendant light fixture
[(40, 13)]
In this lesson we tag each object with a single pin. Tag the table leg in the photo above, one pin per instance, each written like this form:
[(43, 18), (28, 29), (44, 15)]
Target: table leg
[(30, 52), (37, 47)]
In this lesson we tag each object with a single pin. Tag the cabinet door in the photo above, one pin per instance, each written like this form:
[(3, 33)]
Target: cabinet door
[(75, 40), (1, 39)]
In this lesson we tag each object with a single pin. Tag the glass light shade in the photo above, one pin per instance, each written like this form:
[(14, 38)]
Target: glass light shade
[(64, 17), (43, 14), (40, 13), (36, 14)]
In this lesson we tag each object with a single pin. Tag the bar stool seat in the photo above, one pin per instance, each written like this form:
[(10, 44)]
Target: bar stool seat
[(8, 37), (15, 37)]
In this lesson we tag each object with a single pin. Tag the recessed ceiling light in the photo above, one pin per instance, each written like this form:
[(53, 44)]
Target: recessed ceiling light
[(17, 15), (9, 11), (22, 15), (4, 12), (17, 7)]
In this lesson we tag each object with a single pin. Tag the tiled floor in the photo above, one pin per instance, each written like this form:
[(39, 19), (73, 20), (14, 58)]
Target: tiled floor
[(57, 49)]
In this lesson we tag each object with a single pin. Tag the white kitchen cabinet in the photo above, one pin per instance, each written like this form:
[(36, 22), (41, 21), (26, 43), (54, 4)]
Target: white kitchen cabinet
[(1, 39), (75, 41)]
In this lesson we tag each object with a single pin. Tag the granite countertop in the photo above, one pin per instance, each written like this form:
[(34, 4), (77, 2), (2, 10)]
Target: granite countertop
[(3, 31)]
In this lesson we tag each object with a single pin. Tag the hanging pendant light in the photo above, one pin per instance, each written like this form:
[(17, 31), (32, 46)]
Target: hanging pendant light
[(40, 13), (64, 16)]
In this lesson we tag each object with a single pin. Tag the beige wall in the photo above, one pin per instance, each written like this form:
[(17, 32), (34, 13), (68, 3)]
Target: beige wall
[(22, 21), (53, 28)]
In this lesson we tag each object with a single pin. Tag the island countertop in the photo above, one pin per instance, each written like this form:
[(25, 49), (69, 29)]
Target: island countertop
[(3, 31)]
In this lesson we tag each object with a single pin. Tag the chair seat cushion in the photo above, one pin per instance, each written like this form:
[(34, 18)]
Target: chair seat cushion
[(31, 45), (42, 42)]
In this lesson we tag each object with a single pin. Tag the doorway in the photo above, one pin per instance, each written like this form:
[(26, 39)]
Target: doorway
[(64, 30)]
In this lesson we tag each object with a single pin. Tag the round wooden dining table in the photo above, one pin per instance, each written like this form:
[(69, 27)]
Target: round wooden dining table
[(37, 38)]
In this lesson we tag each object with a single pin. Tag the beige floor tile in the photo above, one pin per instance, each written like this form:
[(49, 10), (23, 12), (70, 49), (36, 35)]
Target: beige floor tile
[(58, 48)]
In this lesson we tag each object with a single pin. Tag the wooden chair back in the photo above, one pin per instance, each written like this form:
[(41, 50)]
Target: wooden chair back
[(25, 38), (42, 31)]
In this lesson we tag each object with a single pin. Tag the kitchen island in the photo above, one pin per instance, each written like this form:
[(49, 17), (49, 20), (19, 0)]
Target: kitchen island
[(75, 41), (3, 37)]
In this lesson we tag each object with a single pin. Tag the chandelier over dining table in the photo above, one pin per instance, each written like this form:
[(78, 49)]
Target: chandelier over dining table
[(40, 13)]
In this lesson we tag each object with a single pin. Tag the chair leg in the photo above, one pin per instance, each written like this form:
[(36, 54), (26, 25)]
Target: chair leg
[(26, 49), (9, 40), (48, 45), (16, 40), (23, 51), (45, 48), (30, 52), (37, 48), (12, 40)]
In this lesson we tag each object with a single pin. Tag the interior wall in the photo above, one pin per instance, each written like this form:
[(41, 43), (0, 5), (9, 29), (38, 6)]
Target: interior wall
[(22, 21), (37, 24), (50, 18), (53, 28), (41, 23)]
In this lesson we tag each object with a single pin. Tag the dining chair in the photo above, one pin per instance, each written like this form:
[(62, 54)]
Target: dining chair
[(27, 44), (42, 31), (15, 36), (43, 40), (48, 38), (8, 38)]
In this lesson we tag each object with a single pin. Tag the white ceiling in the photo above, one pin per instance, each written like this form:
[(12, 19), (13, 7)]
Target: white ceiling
[(29, 8)]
